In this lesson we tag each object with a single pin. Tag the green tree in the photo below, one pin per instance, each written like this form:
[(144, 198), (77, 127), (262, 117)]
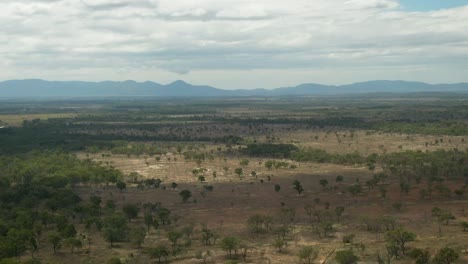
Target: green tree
[(239, 172), (277, 187), (346, 257), (185, 195), (323, 182), (230, 244), (174, 236), (149, 220), (115, 228), (137, 236), (269, 164), (446, 255), (339, 179), (114, 260), (72, 243), (442, 217), (15, 243), (308, 254), (131, 211), (339, 212), (159, 252), (298, 187), (121, 185), (55, 240), (279, 244), (420, 256), (398, 239), (164, 215), (258, 224), (244, 162), (464, 224)]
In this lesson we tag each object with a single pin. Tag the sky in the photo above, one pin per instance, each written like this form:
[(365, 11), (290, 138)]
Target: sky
[(235, 44)]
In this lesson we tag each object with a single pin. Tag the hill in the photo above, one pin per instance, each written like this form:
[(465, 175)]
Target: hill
[(41, 88)]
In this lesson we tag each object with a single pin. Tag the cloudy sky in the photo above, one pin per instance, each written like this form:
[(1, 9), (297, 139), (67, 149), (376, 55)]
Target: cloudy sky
[(235, 43)]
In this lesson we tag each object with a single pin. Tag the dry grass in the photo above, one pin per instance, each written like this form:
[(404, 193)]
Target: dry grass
[(235, 199)]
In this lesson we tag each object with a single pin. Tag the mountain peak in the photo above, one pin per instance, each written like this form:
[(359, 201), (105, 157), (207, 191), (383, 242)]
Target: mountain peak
[(178, 83)]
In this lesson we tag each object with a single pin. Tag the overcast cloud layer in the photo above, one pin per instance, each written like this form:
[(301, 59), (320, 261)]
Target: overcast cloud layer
[(231, 43)]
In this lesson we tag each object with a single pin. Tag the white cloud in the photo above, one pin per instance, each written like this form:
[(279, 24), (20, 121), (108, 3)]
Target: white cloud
[(206, 40), (372, 4)]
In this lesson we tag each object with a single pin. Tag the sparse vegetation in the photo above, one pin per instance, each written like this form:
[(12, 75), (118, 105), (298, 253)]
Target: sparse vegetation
[(223, 181)]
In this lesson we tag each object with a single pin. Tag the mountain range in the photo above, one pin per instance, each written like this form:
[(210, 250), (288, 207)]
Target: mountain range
[(33, 88)]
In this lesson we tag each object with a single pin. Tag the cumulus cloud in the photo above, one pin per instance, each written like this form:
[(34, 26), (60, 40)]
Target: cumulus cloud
[(164, 39)]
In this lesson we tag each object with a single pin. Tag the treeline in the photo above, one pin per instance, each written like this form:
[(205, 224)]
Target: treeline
[(290, 151), (269, 150), (321, 156), (58, 134), (426, 128), (436, 164)]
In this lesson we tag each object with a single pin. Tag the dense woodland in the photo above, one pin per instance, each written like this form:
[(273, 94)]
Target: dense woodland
[(58, 194)]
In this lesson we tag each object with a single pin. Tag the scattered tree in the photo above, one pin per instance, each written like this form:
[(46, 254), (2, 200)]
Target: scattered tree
[(185, 195), (298, 187), (346, 257), (446, 255), (308, 254)]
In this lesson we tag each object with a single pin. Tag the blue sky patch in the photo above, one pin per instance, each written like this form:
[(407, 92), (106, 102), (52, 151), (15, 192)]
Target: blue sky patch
[(427, 5)]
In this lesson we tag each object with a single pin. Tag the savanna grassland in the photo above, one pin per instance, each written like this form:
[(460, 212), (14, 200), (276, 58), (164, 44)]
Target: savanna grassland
[(368, 179)]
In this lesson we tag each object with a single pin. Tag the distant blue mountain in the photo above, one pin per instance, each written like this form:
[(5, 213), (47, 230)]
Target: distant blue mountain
[(40, 88)]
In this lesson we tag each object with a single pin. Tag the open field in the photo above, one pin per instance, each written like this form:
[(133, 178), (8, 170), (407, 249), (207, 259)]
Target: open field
[(262, 178)]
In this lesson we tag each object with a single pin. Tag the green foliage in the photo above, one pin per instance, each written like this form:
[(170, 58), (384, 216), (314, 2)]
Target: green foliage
[(114, 260), (397, 239), (279, 244), (72, 243), (321, 156), (297, 185), (339, 179), (244, 162), (464, 224), (137, 235), (308, 254), (239, 171), (277, 187), (348, 239), (259, 224), (55, 239), (174, 236), (208, 236), (446, 255), (121, 185), (131, 211), (269, 150), (346, 257), (185, 195), (115, 228), (420, 256), (159, 252), (323, 182), (231, 245), (339, 211)]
